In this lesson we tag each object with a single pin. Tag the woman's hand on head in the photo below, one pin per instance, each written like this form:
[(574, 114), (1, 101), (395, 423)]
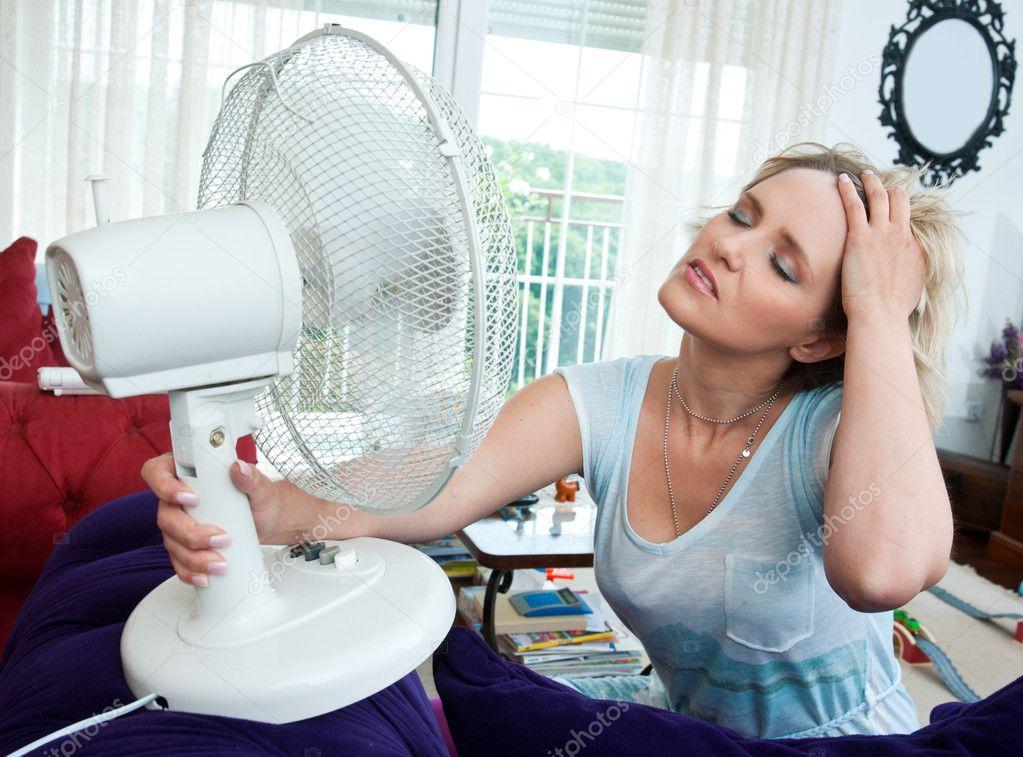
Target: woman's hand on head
[(193, 546), (883, 266)]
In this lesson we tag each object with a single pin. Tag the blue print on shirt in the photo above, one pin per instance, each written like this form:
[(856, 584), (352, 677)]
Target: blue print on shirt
[(698, 669)]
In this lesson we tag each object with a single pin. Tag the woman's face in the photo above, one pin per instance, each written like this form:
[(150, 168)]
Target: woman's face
[(768, 296)]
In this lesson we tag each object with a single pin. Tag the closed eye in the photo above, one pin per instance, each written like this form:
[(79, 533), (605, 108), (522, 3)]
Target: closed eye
[(774, 257), (735, 217), (781, 271)]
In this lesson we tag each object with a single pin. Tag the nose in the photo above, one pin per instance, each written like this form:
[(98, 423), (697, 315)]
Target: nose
[(727, 249)]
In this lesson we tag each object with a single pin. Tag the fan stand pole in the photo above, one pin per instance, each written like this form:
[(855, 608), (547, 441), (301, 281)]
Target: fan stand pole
[(206, 424)]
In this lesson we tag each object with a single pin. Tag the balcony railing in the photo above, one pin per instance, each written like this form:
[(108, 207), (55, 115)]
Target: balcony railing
[(571, 327)]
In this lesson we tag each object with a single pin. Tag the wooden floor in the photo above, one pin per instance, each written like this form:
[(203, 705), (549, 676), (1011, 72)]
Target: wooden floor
[(970, 548)]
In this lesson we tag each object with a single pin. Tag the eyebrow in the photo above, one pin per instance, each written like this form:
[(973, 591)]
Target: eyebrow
[(789, 239)]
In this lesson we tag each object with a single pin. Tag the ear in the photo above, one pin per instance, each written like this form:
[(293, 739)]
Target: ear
[(817, 348)]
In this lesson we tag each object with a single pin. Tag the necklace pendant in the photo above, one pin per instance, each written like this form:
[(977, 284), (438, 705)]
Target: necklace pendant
[(745, 453)]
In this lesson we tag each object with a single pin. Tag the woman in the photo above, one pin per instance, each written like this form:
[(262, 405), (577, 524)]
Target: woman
[(753, 544)]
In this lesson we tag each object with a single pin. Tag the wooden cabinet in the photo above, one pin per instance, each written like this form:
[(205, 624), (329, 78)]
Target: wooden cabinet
[(1006, 543), (976, 489)]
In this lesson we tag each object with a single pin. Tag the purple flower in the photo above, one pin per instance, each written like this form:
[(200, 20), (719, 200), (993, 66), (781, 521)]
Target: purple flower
[(999, 354), (1003, 358), (1010, 335)]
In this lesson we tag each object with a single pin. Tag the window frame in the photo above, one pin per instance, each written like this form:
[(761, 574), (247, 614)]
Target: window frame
[(458, 52)]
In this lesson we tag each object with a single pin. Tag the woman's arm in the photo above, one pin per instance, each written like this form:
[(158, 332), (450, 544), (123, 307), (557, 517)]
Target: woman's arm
[(534, 441), (885, 497)]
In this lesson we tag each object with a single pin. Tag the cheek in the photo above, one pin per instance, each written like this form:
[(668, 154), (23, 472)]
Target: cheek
[(664, 292), (781, 311)]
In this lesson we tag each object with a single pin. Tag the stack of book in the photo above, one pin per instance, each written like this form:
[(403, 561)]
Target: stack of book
[(451, 555), (570, 646)]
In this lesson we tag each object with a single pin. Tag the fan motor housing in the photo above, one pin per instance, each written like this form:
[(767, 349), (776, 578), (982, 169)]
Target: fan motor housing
[(177, 301)]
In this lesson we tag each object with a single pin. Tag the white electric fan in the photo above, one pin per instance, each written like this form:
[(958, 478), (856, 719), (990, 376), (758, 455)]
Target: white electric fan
[(346, 291)]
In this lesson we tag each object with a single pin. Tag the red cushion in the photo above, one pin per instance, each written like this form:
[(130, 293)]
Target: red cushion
[(63, 457), (24, 346)]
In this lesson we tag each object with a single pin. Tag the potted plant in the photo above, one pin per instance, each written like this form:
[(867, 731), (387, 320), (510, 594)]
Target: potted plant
[(1004, 362)]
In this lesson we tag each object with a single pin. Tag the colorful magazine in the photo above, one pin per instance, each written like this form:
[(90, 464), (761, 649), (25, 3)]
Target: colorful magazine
[(527, 642)]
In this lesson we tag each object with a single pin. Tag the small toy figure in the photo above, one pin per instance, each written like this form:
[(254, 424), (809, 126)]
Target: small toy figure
[(565, 490), (904, 632)]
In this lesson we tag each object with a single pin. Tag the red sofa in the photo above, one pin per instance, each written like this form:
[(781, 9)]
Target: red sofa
[(60, 457)]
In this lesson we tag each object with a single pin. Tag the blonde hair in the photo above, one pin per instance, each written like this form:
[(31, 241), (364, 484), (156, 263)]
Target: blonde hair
[(933, 222)]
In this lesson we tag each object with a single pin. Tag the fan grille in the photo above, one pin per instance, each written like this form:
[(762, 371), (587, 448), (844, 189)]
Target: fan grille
[(376, 407), (74, 313)]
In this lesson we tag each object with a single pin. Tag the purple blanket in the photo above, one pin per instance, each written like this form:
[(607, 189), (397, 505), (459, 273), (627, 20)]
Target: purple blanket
[(496, 707), (62, 664)]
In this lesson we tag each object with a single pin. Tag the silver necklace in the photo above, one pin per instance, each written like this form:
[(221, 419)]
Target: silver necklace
[(744, 453), (704, 417)]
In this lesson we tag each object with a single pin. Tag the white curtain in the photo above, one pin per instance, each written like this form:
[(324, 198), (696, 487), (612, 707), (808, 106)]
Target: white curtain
[(727, 84), (128, 88)]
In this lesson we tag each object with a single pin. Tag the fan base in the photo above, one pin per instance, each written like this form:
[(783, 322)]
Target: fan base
[(346, 632)]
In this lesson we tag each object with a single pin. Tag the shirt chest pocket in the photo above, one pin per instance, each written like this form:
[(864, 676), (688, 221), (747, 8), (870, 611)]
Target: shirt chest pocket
[(768, 604)]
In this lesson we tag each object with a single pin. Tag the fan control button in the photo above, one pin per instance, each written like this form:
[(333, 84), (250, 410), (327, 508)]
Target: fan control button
[(346, 558), (327, 555), (312, 551)]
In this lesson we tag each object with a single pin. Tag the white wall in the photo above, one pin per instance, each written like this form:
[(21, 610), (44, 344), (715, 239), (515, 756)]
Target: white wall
[(992, 197)]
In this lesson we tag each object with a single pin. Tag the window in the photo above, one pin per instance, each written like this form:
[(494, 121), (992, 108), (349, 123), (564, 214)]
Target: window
[(557, 112)]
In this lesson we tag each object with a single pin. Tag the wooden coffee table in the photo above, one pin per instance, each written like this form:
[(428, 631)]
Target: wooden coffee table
[(556, 536)]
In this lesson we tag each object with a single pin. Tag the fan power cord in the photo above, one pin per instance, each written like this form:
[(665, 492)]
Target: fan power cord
[(94, 720)]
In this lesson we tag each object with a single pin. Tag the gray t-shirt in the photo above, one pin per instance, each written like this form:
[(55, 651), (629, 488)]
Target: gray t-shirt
[(736, 614)]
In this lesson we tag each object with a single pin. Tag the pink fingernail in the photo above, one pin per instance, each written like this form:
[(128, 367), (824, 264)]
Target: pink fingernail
[(245, 468), (844, 177), (216, 567), (200, 579), (219, 540), (187, 498)]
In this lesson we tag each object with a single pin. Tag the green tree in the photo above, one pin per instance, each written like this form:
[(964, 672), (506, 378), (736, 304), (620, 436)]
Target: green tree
[(522, 168)]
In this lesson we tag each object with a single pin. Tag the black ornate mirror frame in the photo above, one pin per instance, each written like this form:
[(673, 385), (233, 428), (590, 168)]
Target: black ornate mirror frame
[(987, 17)]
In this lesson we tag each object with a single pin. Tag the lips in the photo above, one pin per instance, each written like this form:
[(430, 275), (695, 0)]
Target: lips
[(697, 281)]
